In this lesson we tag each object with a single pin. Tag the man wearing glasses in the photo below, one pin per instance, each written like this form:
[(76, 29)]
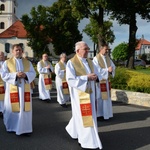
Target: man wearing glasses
[(81, 77)]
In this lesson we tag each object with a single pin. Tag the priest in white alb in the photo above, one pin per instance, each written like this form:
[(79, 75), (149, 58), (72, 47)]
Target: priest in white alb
[(60, 80), (81, 78), (45, 70), (2, 85), (18, 73), (106, 68)]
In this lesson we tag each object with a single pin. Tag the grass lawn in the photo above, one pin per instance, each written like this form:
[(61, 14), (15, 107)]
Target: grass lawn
[(146, 71)]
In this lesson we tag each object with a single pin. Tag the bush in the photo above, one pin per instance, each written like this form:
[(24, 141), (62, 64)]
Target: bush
[(131, 80)]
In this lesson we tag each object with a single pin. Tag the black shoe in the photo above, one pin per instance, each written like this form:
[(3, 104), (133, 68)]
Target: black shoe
[(26, 134), (48, 100), (100, 118), (64, 105), (90, 148), (1, 115)]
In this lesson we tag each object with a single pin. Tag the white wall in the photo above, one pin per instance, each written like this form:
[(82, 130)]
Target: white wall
[(27, 50)]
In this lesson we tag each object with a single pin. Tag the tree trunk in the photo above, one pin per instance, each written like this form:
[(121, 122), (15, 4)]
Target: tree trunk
[(132, 41), (101, 23), (94, 49)]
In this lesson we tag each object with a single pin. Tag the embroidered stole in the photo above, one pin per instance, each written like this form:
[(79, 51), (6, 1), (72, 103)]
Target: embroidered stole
[(2, 89), (47, 77), (64, 82), (14, 94), (85, 103), (103, 82)]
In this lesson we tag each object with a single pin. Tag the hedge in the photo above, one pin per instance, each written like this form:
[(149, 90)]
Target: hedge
[(126, 79)]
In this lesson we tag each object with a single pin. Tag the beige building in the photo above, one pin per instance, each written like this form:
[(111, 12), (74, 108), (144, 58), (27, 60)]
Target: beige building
[(11, 29)]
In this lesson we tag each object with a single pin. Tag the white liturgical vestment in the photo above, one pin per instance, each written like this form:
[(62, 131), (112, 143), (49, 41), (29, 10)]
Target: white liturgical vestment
[(18, 122), (87, 136)]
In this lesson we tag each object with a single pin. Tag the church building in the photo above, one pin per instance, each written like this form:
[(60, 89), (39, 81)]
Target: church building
[(11, 29)]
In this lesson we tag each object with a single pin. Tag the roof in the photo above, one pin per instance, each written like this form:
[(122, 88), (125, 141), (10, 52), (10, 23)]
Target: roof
[(142, 42), (15, 30)]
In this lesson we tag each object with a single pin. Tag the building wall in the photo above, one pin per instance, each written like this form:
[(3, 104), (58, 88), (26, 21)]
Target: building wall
[(27, 50), (145, 49)]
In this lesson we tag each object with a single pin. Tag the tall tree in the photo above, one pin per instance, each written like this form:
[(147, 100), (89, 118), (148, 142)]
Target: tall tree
[(64, 28), (93, 28), (125, 12), (54, 25), (36, 32), (95, 10)]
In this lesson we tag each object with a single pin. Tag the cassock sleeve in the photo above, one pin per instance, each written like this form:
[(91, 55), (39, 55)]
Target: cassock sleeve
[(114, 67), (101, 71), (52, 69), (59, 73), (41, 69), (78, 82), (31, 74)]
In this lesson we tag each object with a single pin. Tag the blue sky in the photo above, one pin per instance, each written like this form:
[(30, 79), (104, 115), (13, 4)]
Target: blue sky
[(121, 32)]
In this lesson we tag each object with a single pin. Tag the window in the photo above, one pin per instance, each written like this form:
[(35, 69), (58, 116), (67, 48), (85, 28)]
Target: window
[(2, 0), (2, 25), (7, 47), (3, 7)]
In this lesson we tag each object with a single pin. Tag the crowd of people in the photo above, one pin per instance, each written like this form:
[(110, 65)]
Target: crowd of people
[(85, 82)]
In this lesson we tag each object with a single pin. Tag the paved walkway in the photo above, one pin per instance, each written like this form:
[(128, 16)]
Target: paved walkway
[(128, 130)]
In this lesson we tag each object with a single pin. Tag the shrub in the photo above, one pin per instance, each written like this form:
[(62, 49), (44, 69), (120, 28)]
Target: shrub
[(131, 80)]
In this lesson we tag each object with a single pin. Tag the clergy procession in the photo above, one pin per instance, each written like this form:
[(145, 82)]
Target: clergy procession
[(80, 81)]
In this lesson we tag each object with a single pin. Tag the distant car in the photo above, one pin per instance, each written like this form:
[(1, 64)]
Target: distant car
[(138, 62)]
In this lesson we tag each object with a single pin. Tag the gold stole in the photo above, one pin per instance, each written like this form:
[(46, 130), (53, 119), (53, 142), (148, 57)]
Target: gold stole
[(85, 103), (103, 85), (47, 77), (2, 90), (14, 95), (64, 82)]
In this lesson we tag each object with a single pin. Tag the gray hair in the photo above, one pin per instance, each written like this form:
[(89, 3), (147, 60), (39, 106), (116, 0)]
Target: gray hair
[(78, 45)]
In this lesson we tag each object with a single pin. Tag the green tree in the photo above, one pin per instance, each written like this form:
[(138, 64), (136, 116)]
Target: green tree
[(92, 29), (64, 28), (98, 29), (36, 33), (120, 52), (54, 25), (125, 12)]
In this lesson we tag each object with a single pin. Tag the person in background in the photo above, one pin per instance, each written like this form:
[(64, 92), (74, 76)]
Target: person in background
[(61, 83), (106, 68), (81, 77), (18, 73), (2, 85), (45, 69)]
